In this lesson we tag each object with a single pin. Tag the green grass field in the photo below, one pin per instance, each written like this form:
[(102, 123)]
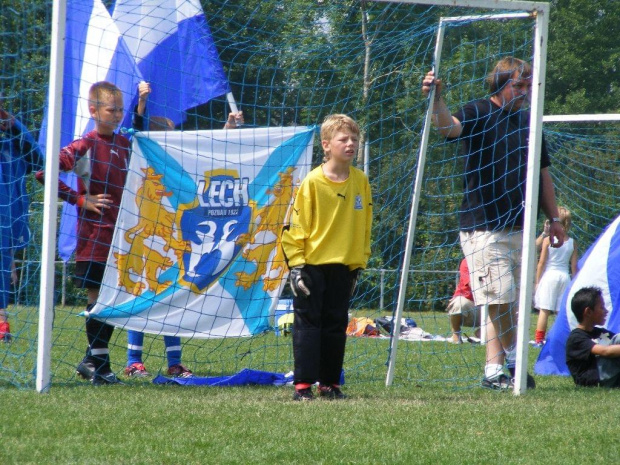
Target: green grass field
[(419, 420)]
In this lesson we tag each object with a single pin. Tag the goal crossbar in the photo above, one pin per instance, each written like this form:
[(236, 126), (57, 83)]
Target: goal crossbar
[(580, 118), (497, 5)]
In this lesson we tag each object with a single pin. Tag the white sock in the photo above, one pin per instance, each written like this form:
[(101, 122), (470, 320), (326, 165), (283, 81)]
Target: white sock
[(492, 370)]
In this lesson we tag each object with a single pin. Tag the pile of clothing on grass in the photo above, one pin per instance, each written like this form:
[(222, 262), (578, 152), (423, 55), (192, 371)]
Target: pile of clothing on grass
[(382, 327)]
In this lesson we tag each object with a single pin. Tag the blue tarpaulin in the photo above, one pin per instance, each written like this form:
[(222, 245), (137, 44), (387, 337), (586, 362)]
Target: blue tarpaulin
[(244, 378)]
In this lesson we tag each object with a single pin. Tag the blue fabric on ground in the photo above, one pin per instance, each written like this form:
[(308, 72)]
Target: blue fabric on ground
[(243, 378)]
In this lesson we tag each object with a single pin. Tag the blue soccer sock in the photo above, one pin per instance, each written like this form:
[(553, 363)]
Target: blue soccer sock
[(173, 349), (135, 346)]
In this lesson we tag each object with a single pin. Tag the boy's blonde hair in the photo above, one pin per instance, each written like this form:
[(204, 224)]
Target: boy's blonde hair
[(565, 218), (337, 122), (100, 89)]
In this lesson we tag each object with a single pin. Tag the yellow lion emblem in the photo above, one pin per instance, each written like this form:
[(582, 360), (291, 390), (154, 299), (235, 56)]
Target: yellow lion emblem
[(156, 225), (268, 257)]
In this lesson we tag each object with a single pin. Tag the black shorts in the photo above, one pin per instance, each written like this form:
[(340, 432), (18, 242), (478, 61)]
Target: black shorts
[(88, 275)]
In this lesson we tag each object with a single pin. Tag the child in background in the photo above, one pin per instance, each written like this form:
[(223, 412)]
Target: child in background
[(141, 120), (552, 276), (543, 234), (135, 339), (592, 352), (461, 309), (19, 155), (326, 244), (100, 159)]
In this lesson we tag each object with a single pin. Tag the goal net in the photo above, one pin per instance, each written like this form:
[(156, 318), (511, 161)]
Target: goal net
[(286, 66)]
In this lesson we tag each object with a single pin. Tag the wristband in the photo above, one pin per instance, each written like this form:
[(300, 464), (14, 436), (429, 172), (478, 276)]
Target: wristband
[(81, 200), (555, 220)]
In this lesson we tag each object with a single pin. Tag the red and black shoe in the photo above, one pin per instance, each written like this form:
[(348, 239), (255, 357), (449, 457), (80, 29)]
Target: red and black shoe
[(331, 392), (180, 371), (303, 395), (136, 370)]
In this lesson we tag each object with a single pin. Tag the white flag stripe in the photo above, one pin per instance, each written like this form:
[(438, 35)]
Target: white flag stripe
[(101, 44), (145, 23)]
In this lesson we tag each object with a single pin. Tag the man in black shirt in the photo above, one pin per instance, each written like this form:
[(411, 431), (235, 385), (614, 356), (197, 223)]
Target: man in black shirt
[(494, 133)]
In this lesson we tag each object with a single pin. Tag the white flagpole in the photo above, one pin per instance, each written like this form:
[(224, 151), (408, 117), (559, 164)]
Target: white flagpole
[(231, 102)]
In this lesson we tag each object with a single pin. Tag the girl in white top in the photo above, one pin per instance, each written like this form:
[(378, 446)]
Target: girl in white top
[(552, 275)]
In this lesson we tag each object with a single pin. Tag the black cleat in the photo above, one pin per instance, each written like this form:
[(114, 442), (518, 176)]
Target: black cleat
[(499, 383), (105, 377), (86, 369)]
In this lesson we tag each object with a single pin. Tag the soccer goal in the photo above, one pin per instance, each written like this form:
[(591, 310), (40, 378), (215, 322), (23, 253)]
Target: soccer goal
[(467, 72), (286, 67)]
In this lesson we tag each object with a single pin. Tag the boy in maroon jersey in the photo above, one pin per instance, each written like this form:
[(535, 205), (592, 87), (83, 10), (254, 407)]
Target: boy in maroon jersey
[(100, 159)]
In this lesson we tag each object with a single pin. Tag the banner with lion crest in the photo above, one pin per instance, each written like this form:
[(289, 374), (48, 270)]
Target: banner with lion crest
[(196, 249)]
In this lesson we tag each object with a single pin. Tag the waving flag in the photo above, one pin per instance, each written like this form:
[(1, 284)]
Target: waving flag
[(196, 248), (172, 45), (94, 51), (600, 267)]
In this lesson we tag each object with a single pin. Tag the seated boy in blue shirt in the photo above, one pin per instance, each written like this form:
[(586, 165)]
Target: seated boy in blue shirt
[(592, 352)]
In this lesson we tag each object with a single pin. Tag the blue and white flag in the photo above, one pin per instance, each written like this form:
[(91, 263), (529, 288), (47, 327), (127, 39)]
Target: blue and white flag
[(172, 45), (94, 51), (196, 250), (599, 267)]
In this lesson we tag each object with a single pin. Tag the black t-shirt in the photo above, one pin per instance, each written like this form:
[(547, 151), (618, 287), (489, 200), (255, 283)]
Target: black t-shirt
[(579, 358), (495, 146)]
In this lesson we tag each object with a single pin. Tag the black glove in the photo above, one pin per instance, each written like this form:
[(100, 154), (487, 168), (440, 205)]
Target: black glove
[(300, 282)]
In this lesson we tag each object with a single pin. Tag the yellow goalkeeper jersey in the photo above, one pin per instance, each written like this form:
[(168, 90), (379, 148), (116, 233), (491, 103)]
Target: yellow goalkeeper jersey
[(330, 221)]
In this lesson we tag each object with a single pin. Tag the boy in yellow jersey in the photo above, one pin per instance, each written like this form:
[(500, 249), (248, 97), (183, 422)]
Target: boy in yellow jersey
[(326, 244)]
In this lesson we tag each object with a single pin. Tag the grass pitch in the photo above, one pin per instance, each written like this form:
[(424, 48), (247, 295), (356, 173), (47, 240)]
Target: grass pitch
[(418, 420)]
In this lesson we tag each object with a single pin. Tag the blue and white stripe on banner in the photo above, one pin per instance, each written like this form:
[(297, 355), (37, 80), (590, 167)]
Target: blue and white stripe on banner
[(196, 250)]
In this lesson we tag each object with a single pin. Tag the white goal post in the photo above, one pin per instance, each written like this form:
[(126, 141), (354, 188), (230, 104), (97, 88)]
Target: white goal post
[(580, 118), (539, 12), (476, 10), (48, 252)]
